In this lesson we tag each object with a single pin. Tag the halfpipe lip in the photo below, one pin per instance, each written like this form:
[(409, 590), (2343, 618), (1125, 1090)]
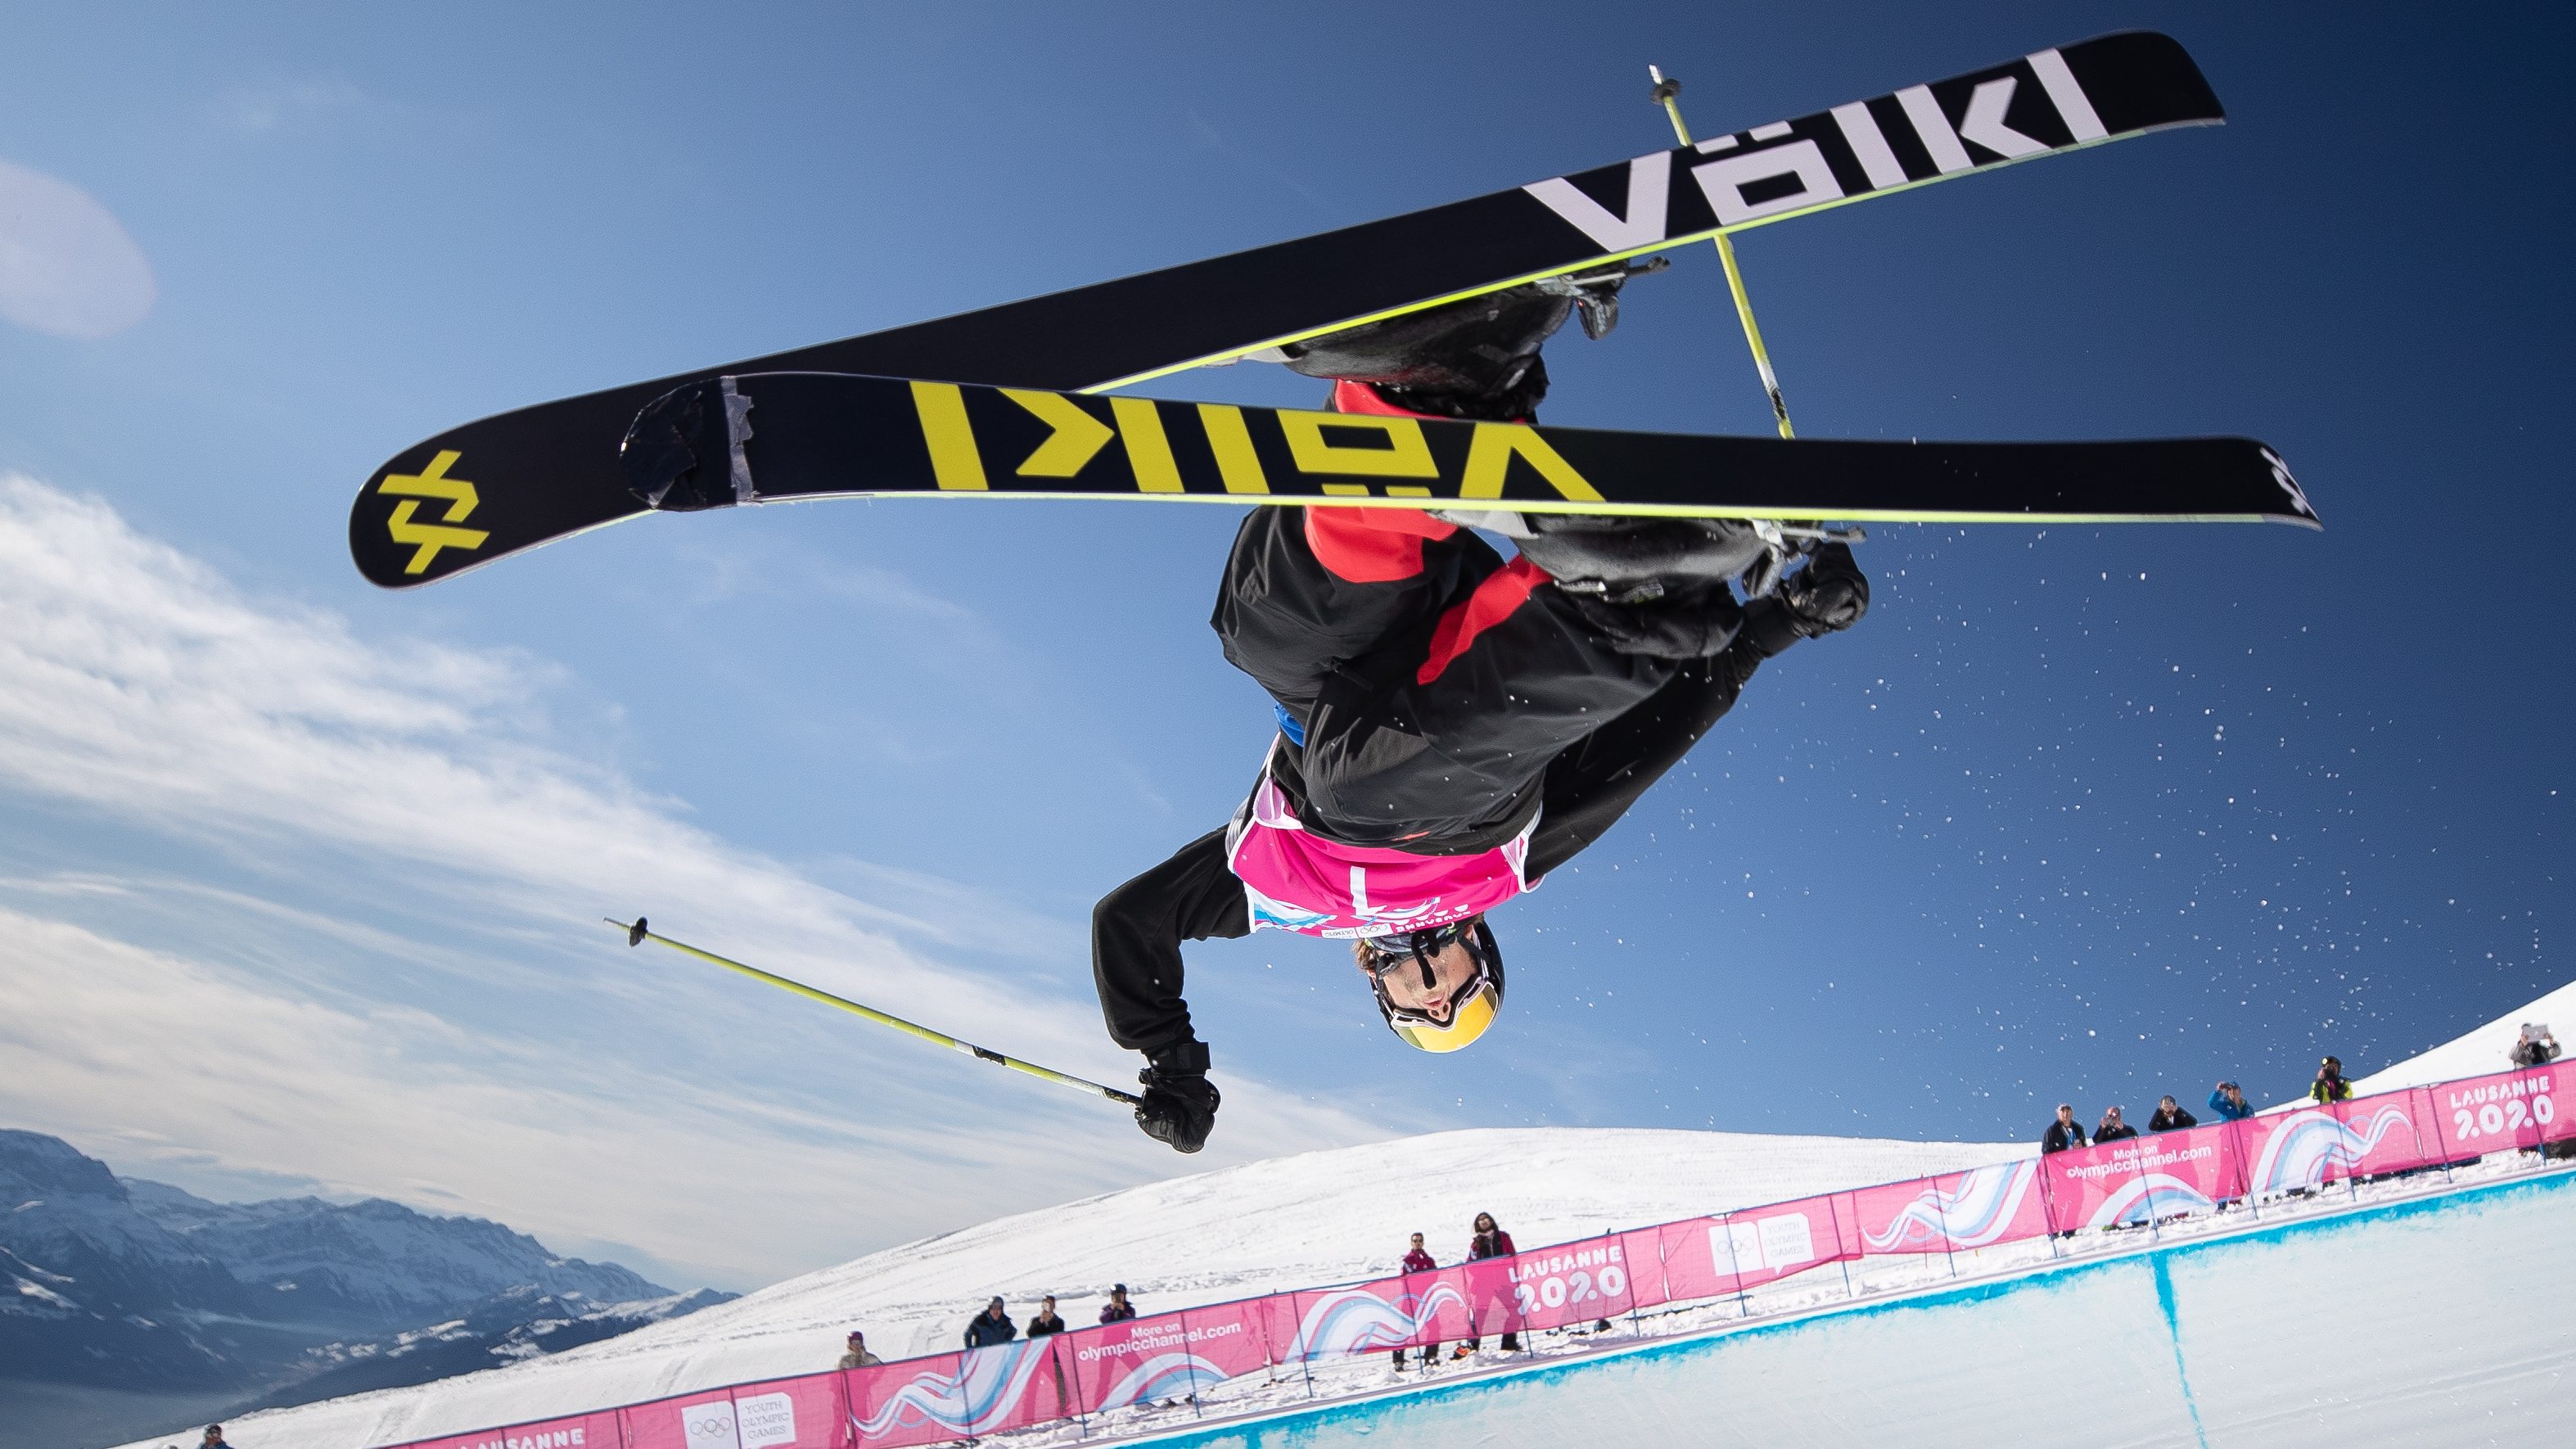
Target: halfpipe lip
[(2317, 1221)]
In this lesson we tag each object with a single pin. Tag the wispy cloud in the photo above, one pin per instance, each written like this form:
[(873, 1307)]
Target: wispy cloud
[(67, 265), (379, 966), (281, 106)]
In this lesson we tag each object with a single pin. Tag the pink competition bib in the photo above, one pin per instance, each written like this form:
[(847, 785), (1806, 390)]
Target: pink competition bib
[(1296, 881)]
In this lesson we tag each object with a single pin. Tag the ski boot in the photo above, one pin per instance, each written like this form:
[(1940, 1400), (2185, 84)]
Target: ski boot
[(1635, 560), (1477, 359)]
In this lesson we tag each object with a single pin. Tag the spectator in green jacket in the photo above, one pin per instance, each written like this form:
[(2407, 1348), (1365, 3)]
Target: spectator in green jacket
[(2330, 1085)]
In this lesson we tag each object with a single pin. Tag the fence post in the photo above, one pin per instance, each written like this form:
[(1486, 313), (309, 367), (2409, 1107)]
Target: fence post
[(2147, 1190), (2048, 1208), (1636, 1322), (1834, 1215), (1055, 1361), (1734, 1266), (1941, 1210)]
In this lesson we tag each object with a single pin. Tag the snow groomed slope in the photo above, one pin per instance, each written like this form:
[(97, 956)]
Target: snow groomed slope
[(2424, 1321)]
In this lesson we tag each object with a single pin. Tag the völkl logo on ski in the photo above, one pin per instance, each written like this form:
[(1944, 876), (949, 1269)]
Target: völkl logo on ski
[(1917, 135), (426, 539), (769, 437)]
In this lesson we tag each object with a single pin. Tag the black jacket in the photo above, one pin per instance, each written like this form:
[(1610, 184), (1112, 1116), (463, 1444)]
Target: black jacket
[(1045, 1323), (2121, 1133), (2061, 1136), (1137, 929), (2173, 1121), (987, 1330)]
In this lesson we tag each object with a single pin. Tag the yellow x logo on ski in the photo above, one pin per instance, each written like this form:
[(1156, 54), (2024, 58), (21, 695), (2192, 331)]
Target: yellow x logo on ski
[(429, 538)]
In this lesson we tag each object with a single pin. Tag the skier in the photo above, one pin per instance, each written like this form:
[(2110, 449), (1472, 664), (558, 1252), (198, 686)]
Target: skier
[(1452, 728)]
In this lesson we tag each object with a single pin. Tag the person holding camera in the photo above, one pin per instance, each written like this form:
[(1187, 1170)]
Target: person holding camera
[(2228, 1101), (2535, 1047)]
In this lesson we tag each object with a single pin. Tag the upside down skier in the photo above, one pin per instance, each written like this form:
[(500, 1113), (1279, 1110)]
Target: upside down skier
[(1452, 727)]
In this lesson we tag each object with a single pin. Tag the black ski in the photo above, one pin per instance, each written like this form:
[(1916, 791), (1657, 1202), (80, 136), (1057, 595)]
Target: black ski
[(512, 482), (773, 437)]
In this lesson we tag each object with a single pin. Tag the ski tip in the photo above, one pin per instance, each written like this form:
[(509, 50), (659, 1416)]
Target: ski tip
[(2150, 73)]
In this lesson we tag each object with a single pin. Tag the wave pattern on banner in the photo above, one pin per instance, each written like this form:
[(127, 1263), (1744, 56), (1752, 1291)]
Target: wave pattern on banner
[(1978, 1211), (2305, 1144), (978, 1399), (1356, 1320)]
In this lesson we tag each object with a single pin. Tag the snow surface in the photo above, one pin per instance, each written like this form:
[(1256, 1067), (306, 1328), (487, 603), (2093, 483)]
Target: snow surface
[(1342, 1215)]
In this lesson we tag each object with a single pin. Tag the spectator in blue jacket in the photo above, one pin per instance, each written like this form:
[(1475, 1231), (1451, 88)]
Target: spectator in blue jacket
[(2229, 1103)]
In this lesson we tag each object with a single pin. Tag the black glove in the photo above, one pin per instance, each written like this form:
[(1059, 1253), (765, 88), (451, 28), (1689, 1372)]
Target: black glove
[(1829, 595), (1180, 1103)]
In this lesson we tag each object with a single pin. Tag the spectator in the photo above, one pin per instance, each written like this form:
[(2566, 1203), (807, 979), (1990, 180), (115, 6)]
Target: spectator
[(1042, 1324), (1490, 1242), (2535, 1047), (858, 1356), (2112, 1129), (1418, 1260), (2170, 1117), (2063, 1133), (991, 1326), (214, 1438), (1045, 1320), (2330, 1085), (2229, 1103), (1117, 1309)]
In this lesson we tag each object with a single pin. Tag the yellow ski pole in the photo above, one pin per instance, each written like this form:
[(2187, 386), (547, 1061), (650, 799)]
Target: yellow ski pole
[(1667, 93), (637, 935)]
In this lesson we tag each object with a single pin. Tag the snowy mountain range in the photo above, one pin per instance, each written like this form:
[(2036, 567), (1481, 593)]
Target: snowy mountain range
[(107, 1283)]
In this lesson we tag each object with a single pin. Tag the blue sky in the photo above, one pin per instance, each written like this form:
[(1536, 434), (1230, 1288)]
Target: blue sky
[(297, 878)]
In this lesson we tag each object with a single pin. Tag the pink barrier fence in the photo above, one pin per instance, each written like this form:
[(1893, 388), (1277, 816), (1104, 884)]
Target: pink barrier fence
[(1034, 1381)]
